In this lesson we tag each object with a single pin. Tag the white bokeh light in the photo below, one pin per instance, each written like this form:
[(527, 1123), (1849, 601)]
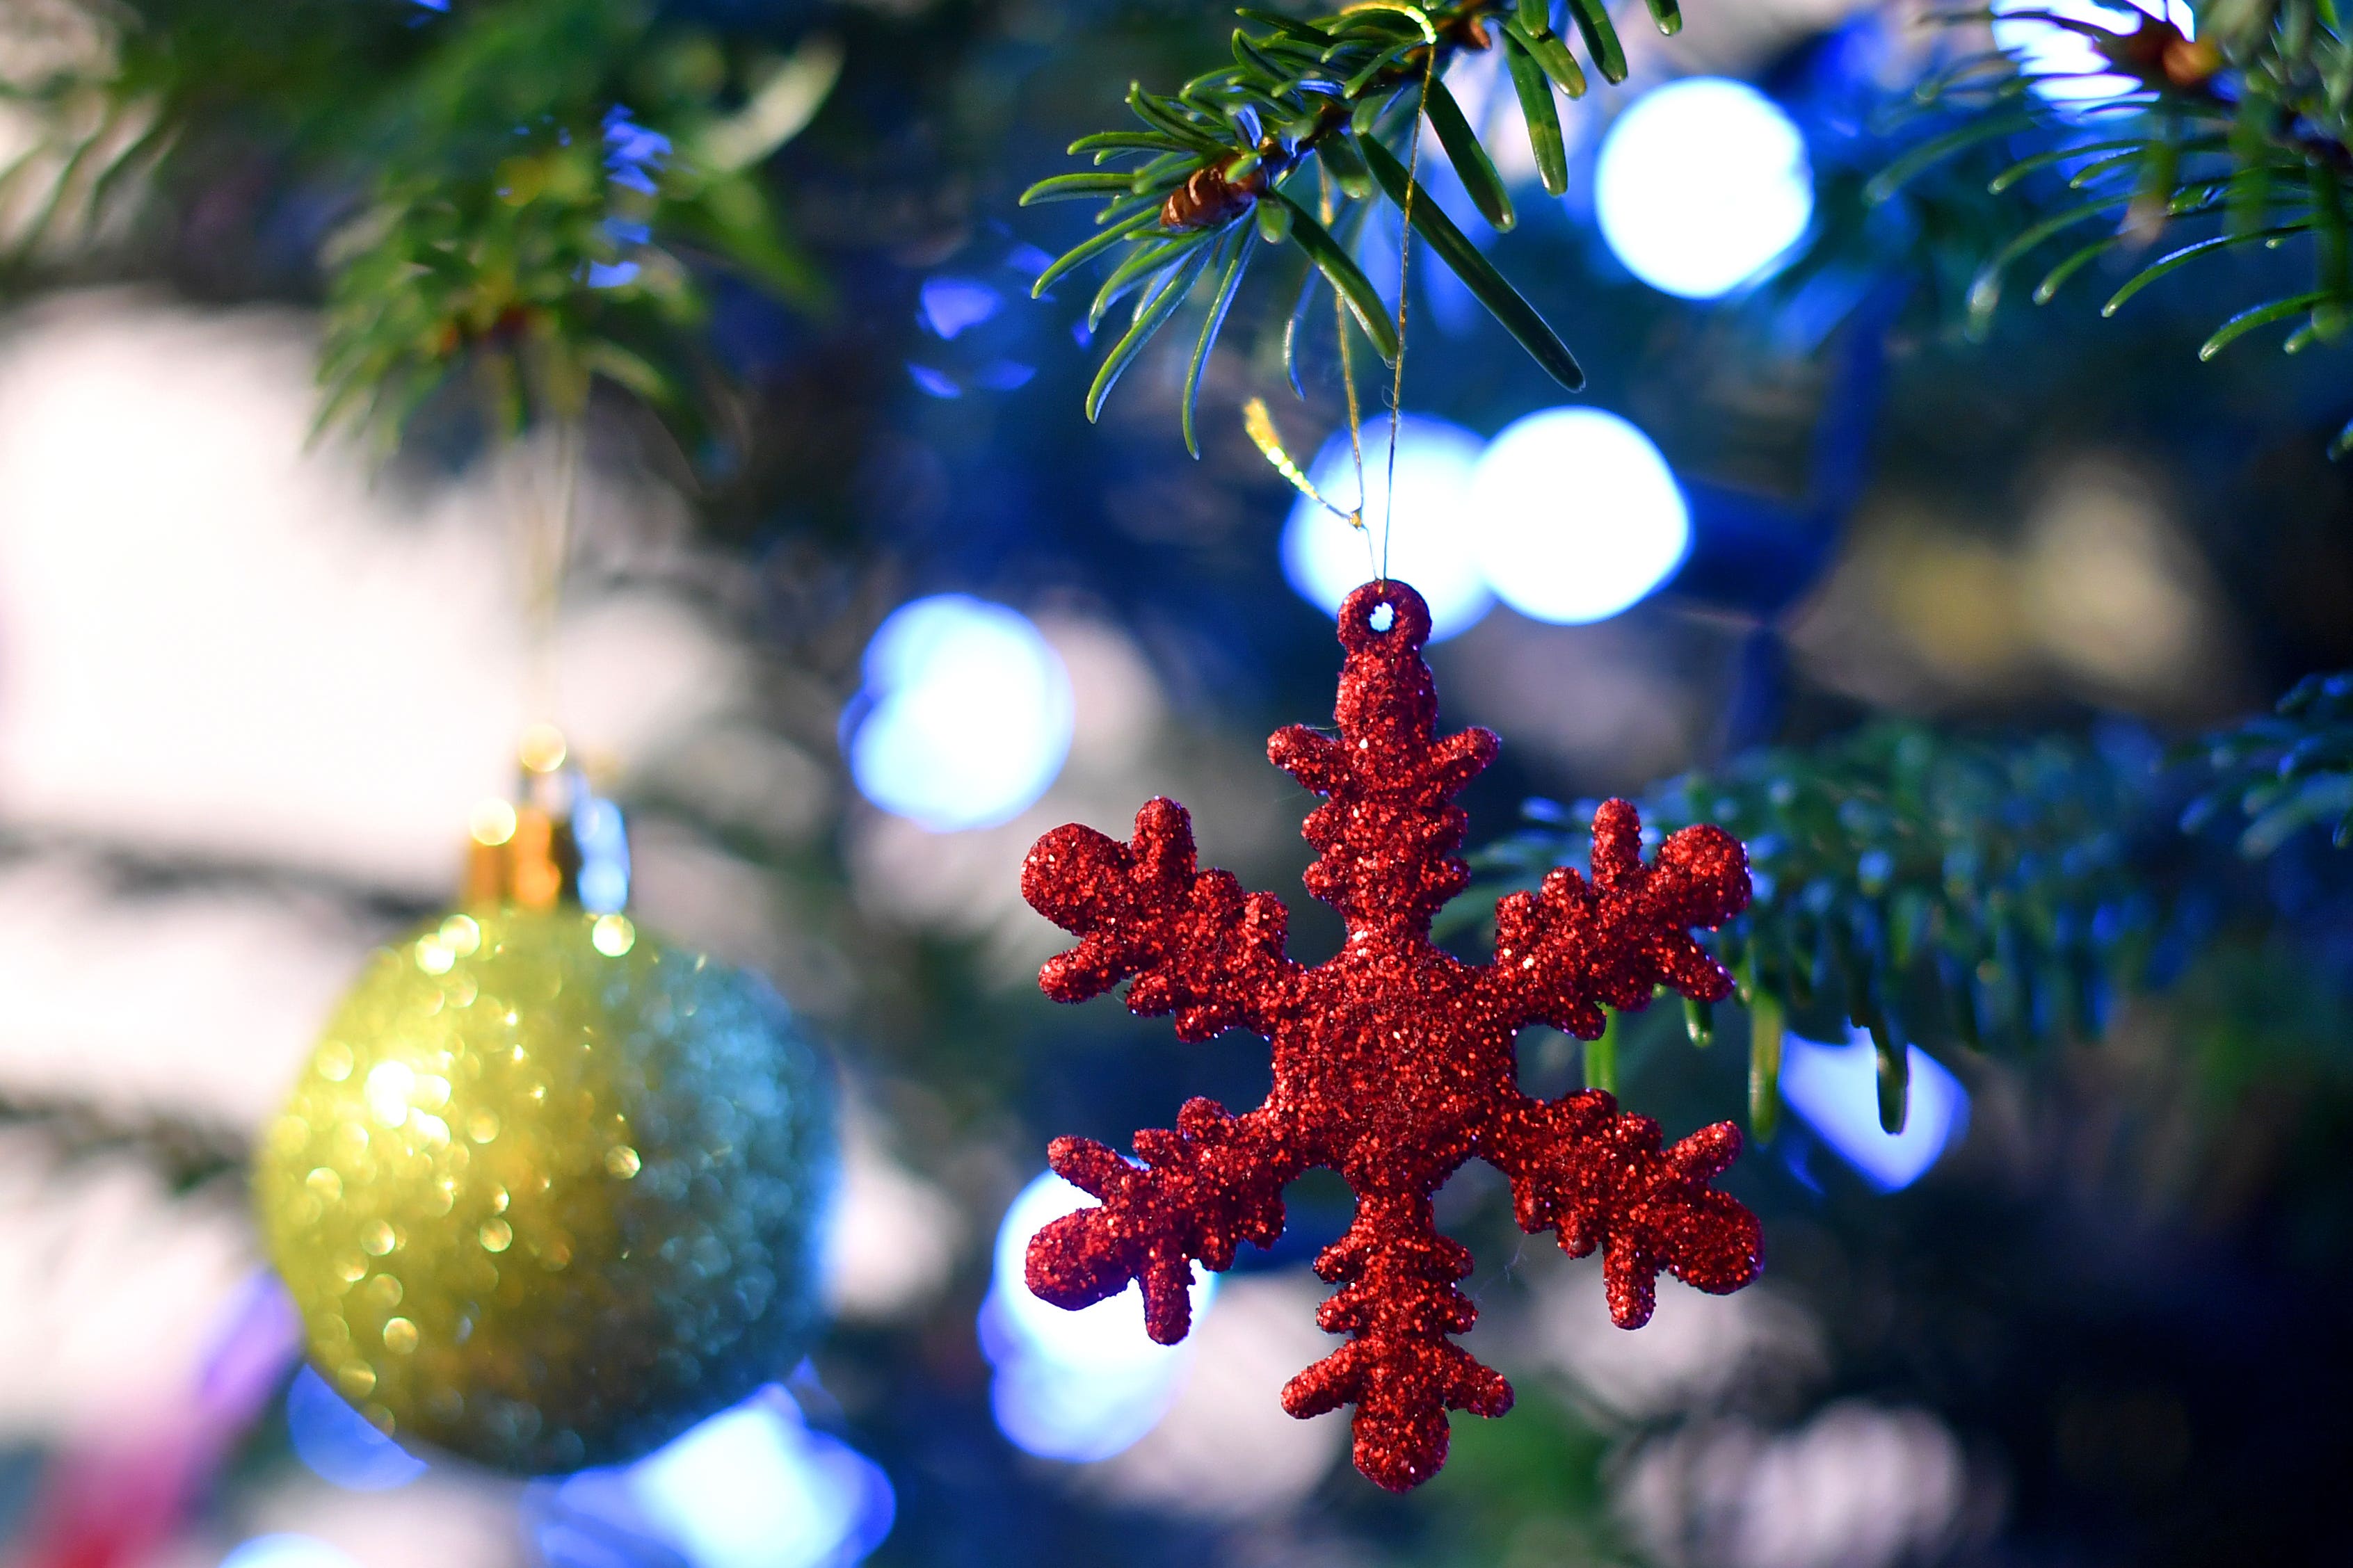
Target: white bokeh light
[(288, 1550), (1835, 1090), (1700, 185), (335, 665), (966, 714), (754, 1487), (1079, 1385), (1324, 558), (1575, 516), (2067, 66)]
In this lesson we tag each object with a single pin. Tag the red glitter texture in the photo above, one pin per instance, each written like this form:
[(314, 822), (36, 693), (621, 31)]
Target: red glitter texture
[(1393, 1060)]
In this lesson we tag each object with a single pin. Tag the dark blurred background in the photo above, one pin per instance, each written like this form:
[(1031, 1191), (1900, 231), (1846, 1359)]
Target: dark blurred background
[(842, 669)]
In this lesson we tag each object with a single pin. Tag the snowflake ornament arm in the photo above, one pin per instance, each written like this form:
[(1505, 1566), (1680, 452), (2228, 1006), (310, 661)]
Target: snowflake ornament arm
[(1193, 944), (1598, 1177), (1197, 947), (1399, 1304), (1579, 1168), (1393, 1060), (1572, 947), (1213, 1182)]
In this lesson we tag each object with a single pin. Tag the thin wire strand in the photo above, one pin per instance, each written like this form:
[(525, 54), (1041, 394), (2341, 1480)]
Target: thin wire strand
[(1405, 263), (550, 518), (1328, 210)]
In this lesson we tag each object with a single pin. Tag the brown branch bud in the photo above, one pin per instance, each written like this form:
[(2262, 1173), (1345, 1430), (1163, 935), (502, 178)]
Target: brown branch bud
[(1210, 199), (2162, 57)]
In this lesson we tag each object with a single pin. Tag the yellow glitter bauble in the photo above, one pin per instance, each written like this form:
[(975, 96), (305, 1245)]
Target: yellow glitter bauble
[(549, 1193)]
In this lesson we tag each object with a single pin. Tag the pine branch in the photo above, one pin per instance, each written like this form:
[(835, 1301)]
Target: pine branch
[(1910, 885), (2239, 136), (551, 195), (1234, 146), (1997, 897)]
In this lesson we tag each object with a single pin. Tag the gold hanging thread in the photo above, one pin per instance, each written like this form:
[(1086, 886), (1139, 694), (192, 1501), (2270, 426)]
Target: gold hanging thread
[(1259, 424), (1405, 261)]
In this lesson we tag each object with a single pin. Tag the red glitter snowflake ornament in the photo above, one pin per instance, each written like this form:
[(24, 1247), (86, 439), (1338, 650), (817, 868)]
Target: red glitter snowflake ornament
[(1393, 1061)]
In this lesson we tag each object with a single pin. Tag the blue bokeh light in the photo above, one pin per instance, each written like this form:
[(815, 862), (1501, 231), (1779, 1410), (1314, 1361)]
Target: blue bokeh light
[(965, 716), (339, 1444), (604, 842), (1575, 516), (286, 1550), (1077, 1385), (1004, 375), (1700, 185), (633, 154), (933, 382), (2066, 66), (1324, 558), (1835, 1088), (951, 305)]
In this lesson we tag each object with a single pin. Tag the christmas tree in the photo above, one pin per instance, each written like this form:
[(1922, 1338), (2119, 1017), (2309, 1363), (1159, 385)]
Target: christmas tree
[(614, 535)]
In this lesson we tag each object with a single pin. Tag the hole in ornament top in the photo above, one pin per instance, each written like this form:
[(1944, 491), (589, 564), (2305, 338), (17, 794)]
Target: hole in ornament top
[(1384, 614)]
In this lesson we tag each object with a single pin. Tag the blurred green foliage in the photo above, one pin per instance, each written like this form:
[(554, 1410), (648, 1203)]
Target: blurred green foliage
[(1934, 890), (2233, 137), (1911, 884), (534, 191), (2285, 771)]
